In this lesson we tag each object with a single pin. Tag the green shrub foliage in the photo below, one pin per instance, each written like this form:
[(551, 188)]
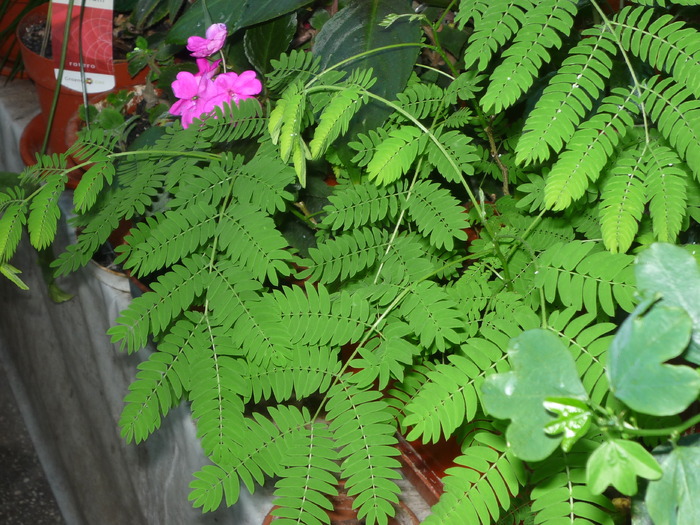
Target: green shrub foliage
[(534, 148)]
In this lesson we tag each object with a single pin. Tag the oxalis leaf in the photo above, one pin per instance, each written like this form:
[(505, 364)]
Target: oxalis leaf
[(672, 273), (618, 462), (674, 497), (635, 368), (573, 420), (542, 368)]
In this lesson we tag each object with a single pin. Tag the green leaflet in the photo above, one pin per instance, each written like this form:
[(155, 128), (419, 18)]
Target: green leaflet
[(481, 485), (395, 155), (635, 367), (542, 368), (618, 462), (672, 273), (671, 499)]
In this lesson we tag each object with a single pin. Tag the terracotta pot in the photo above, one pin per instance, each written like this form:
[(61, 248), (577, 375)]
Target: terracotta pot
[(9, 49), (41, 70)]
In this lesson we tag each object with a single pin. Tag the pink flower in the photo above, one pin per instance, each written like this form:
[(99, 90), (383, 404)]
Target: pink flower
[(207, 69), (213, 42), (231, 87), (195, 93)]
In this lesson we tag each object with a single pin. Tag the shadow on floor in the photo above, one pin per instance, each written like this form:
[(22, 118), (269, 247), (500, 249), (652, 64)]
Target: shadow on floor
[(25, 494)]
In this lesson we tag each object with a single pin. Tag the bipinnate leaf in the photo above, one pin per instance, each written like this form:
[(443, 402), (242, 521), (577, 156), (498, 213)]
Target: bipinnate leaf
[(673, 273), (636, 369), (618, 462), (674, 497), (542, 368)]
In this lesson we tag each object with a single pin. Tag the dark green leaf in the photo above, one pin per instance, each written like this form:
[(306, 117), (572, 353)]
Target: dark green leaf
[(673, 273), (636, 356), (542, 368), (236, 15), (674, 498), (355, 30), (268, 41), (618, 462)]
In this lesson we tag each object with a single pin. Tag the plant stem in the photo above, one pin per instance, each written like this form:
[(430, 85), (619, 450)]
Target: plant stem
[(668, 431)]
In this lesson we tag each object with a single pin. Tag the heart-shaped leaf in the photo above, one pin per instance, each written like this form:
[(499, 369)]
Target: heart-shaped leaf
[(573, 421), (542, 368), (671, 272), (618, 462), (638, 375), (674, 498)]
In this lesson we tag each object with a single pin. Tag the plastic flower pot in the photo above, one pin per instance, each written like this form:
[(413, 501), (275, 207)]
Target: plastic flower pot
[(41, 71)]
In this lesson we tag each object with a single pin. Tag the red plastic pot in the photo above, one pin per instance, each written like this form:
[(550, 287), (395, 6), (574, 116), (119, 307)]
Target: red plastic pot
[(41, 71)]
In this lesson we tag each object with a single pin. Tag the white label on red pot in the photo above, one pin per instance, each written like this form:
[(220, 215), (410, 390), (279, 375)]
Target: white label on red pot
[(97, 62)]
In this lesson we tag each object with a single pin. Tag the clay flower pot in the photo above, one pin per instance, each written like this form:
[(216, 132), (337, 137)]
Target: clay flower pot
[(9, 46), (41, 71)]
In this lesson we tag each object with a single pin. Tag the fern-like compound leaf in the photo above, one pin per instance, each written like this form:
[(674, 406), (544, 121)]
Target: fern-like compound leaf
[(356, 205), (588, 342), (446, 401), (152, 312), (483, 484), (623, 197), (568, 97), (456, 156), (589, 149), (677, 115), (249, 237), (582, 275), (91, 183), (309, 370), (335, 118), (161, 380), (493, 27), (437, 214), (44, 212), (311, 317), (394, 156), (164, 240), (561, 494), (384, 359), (363, 430), (12, 220), (433, 316), (420, 101), (290, 67), (218, 388), (522, 60), (666, 184), (345, 256), (665, 43), (230, 122), (309, 476), (261, 445)]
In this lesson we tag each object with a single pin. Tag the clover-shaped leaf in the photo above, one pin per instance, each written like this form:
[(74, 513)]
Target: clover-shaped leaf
[(636, 369), (573, 421), (672, 273), (618, 462), (542, 368), (674, 497)]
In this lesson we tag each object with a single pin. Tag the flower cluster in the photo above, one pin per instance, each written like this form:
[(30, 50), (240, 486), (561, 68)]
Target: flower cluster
[(199, 93)]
